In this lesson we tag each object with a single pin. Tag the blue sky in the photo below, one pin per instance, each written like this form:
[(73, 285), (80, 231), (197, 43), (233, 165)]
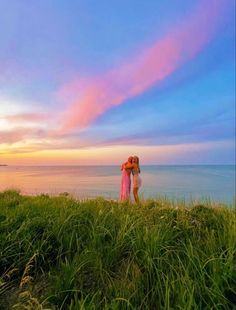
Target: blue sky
[(80, 76)]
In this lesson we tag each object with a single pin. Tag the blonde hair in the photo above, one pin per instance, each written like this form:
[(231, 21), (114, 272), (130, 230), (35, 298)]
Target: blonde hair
[(137, 159)]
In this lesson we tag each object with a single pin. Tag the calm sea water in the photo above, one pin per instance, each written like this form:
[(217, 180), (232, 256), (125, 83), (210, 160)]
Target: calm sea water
[(182, 182)]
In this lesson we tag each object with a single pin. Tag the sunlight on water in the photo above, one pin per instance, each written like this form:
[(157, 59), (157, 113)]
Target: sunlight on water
[(183, 182)]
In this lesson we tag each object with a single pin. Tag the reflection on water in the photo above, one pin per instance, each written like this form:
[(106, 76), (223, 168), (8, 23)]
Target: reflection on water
[(213, 181)]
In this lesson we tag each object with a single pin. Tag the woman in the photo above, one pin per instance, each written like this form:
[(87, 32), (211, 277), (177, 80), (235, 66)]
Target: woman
[(135, 168), (125, 180), (136, 178)]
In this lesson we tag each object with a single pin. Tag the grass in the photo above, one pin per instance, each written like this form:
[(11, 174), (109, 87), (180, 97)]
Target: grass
[(59, 253)]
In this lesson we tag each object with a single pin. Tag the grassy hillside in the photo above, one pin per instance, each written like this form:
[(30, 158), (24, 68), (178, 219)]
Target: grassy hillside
[(59, 253)]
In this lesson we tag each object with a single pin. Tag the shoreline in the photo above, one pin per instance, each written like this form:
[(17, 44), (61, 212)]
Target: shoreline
[(163, 198)]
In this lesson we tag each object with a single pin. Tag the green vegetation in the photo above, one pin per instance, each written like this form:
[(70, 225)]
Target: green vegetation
[(59, 253)]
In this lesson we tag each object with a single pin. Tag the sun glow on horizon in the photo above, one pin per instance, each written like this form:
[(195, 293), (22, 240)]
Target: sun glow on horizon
[(114, 155)]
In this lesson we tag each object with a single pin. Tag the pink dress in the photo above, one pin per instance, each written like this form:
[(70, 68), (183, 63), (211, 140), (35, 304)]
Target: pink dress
[(125, 186)]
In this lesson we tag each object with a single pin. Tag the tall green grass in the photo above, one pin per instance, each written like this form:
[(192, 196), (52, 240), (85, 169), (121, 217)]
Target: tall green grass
[(59, 253)]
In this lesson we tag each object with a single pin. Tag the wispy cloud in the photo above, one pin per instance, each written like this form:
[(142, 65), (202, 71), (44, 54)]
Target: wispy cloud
[(20, 134), (146, 68), (180, 153), (25, 117)]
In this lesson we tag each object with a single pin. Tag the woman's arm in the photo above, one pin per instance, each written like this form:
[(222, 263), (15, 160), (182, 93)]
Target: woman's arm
[(128, 165), (122, 166)]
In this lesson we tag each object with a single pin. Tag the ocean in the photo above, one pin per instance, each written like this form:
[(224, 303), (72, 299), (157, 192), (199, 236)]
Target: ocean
[(189, 182)]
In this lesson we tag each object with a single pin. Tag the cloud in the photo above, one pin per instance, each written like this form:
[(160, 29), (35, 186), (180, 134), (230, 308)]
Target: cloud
[(25, 117), (146, 68), (219, 151), (197, 132), (19, 134)]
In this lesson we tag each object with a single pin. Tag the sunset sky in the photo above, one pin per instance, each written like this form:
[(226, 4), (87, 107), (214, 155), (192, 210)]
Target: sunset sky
[(91, 82)]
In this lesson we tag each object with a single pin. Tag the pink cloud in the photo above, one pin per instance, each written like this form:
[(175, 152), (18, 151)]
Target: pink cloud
[(146, 68), (19, 134), (25, 117), (11, 136)]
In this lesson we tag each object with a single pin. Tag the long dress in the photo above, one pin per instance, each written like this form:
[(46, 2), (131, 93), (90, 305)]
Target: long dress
[(125, 186)]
